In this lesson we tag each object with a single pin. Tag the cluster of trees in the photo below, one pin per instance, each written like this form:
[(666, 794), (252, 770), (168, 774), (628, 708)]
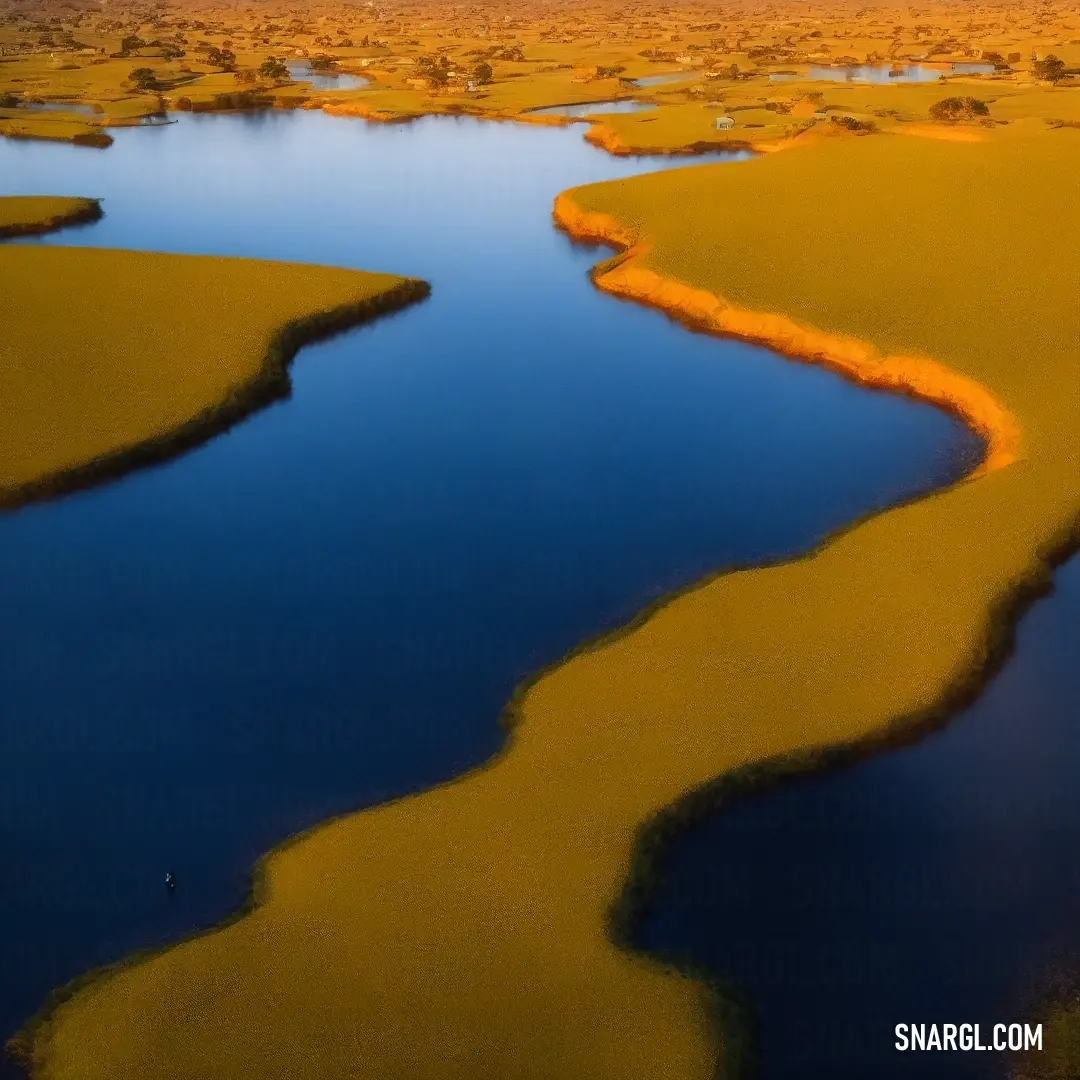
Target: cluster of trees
[(852, 123), (435, 69), (222, 58), (169, 50), (1050, 69), (273, 68), (958, 108), (144, 78)]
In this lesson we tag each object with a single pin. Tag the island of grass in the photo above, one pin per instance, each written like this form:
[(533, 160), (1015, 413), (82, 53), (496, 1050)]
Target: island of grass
[(29, 215), (112, 359), (477, 931)]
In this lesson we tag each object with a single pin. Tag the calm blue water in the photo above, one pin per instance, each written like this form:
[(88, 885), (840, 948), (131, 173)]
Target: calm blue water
[(933, 884), (329, 605), (301, 71), (593, 108)]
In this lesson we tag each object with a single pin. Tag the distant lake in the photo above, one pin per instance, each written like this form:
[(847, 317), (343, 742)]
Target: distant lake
[(883, 73), (592, 108), (302, 71), (329, 606)]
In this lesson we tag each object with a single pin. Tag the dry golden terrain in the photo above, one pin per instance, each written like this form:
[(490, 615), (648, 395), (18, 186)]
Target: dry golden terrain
[(471, 932), (125, 62)]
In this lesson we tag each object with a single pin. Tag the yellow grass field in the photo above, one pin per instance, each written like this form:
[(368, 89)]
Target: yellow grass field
[(112, 358), (470, 932)]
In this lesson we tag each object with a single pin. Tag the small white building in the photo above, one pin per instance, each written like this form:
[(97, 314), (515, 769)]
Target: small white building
[(724, 123)]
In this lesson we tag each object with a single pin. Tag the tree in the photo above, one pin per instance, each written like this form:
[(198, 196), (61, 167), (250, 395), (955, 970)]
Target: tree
[(273, 68), (956, 108), (437, 77), (1050, 69), (482, 73), (224, 58), (143, 78), (131, 43)]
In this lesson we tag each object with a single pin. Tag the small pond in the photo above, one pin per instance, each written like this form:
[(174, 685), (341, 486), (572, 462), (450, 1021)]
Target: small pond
[(883, 73), (302, 71), (594, 108)]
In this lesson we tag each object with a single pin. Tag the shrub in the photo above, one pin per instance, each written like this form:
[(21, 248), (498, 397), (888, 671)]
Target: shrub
[(273, 68), (851, 123), (143, 78), (1050, 69), (957, 108)]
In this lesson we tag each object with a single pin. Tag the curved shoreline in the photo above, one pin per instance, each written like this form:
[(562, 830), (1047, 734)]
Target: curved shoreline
[(270, 383), (918, 377)]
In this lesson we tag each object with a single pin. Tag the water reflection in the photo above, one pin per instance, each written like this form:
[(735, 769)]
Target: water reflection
[(932, 884), (325, 79), (594, 108), (883, 73)]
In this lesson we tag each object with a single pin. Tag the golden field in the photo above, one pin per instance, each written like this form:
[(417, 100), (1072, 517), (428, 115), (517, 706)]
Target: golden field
[(472, 932), (89, 388)]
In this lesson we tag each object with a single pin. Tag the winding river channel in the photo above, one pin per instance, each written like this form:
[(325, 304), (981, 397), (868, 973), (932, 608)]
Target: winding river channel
[(329, 605)]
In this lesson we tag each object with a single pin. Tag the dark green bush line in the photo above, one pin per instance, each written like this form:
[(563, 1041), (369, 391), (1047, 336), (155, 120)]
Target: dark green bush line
[(88, 212)]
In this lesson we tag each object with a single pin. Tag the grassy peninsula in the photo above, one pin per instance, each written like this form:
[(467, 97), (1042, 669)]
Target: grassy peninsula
[(470, 932), (27, 215), (111, 359)]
